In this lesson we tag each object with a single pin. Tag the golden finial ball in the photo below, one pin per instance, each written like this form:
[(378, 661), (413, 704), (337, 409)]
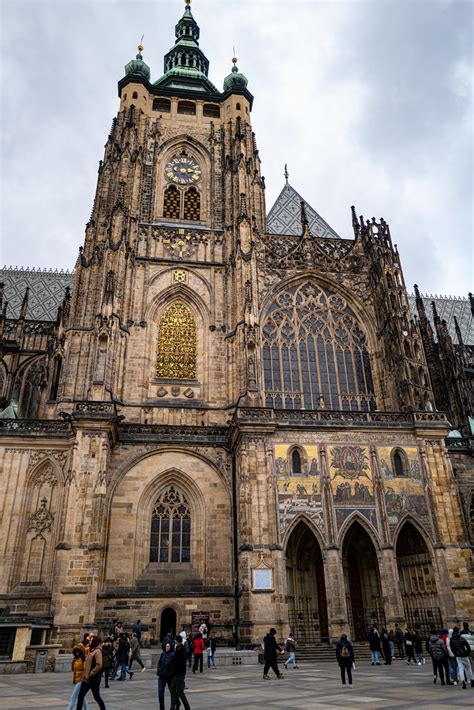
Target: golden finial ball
[(234, 60), (140, 47)]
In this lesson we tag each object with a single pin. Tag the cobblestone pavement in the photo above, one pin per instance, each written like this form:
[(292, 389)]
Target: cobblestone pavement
[(311, 687)]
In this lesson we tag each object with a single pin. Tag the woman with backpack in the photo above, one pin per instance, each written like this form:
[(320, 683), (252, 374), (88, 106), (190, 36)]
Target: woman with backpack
[(345, 659), (438, 652)]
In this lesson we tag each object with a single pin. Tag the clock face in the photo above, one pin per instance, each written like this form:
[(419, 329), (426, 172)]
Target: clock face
[(183, 170)]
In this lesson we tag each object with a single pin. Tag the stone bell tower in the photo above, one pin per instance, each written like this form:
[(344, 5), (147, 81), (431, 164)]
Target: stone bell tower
[(180, 193)]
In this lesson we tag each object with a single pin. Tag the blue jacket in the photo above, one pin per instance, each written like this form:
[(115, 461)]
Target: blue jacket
[(165, 665)]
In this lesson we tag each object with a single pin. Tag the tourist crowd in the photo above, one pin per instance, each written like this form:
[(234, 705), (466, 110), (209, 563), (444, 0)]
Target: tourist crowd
[(113, 658)]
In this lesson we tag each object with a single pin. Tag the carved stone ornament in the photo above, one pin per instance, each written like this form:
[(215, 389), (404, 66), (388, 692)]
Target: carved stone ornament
[(59, 456), (41, 520), (45, 475)]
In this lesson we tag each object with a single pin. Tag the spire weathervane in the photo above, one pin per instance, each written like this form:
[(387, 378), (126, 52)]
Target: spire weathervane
[(286, 174)]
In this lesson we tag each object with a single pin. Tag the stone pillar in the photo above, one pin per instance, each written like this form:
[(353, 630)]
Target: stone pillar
[(336, 594), (22, 640), (390, 582), (81, 546)]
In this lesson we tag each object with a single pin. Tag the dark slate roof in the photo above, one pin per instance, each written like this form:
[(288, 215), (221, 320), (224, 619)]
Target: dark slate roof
[(46, 291), (285, 216), (448, 307)]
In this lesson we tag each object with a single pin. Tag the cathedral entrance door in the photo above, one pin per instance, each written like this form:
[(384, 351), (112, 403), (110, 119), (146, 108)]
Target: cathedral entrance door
[(167, 622), (362, 581), (307, 604), (417, 580)]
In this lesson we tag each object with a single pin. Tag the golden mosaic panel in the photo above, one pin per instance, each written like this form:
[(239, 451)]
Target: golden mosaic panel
[(176, 350)]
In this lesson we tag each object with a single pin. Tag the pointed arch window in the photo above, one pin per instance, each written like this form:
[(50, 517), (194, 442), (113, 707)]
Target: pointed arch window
[(171, 202), (192, 204), (295, 461), (170, 539), (315, 353), (399, 463), (177, 343)]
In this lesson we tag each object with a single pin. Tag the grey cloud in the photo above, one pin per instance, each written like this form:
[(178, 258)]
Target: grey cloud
[(368, 102)]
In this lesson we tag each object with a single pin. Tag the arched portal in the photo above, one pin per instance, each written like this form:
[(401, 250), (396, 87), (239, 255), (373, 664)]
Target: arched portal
[(417, 579), (307, 604), (167, 623), (362, 582)]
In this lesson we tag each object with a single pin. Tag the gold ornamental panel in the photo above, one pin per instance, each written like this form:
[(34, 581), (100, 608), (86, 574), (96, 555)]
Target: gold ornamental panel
[(176, 350)]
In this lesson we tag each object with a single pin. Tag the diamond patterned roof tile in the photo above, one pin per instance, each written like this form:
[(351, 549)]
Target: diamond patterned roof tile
[(46, 291), (448, 307), (285, 216)]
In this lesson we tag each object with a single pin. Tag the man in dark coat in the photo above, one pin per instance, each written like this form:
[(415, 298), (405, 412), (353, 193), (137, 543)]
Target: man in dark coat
[(123, 651), (178, 673), (270, 653), (374, 644), (462, 652), (164, 673), (345, 658)]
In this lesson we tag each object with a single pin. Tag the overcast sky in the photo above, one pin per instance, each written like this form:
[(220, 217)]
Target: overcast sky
[(369, 103)]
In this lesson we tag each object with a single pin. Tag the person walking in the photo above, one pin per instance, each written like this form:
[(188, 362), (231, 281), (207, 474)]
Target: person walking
[(211, 651), (399, 641), (189, 649), (123, 650), (418, 646), (270, 653), (374, 644), (77, 667), (164, 673), (198, 650), (135, 653), (92, 675), (107, 659), (345, 659), (85, 643), (452, 670), (433, 637), (386, 650), (438, 652), (178, 673), (409, 646), (168, 639), (137, 630), (462, 651), (290, 648), (391, 641), (466, 631)]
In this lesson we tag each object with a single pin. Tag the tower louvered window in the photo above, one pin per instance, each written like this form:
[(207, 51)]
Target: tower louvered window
[(170, 539), (176, 351), (315, 354), (192, 204), (171, 202)]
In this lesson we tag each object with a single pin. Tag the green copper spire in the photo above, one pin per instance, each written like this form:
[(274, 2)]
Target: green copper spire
[(185, 65), (235, 80), (138, 66)]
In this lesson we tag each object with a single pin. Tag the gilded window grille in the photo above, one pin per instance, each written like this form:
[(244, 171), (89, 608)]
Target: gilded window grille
[(315, 353), (171, 202), (192, 204), (177, 344), (170, 536)]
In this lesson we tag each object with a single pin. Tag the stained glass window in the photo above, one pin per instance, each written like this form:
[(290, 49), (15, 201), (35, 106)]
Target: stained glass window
[(176, 351), (170, 539), (192, 204), (171, 202), (315, 353)]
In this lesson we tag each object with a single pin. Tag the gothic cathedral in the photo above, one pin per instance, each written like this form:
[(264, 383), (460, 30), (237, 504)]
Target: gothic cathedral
[(231, 414)]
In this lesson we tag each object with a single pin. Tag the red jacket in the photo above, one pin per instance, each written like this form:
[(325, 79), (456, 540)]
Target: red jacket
[(198, 646)]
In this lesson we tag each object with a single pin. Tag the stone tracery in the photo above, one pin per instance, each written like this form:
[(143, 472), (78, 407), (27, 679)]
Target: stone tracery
[(315, 353)]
